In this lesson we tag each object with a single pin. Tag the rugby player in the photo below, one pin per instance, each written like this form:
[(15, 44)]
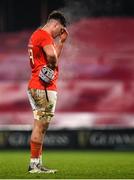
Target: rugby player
[(44, 49)]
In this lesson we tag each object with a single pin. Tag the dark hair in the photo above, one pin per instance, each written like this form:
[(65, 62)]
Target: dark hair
[(57, 15)]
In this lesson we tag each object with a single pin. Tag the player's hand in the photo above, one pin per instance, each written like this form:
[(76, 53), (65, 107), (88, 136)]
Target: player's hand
[(63, 35), (46, 74)]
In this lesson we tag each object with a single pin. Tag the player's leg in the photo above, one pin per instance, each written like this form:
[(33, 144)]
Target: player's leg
[(49, 112), (37, 137), (43, 113)]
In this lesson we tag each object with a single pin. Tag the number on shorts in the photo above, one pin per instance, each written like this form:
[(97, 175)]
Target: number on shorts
[(30, 52)]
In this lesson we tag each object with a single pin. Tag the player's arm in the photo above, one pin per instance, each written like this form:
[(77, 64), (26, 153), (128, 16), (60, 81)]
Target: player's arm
[(51, 56), (47, 72), (62, 38)]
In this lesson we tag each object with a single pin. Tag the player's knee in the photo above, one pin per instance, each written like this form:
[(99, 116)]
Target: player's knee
[(45, 126)]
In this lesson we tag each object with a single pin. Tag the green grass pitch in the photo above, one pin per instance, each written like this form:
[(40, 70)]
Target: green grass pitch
[(71, 165)]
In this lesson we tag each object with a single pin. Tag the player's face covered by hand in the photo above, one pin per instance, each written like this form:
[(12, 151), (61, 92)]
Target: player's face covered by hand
[(59, 29)]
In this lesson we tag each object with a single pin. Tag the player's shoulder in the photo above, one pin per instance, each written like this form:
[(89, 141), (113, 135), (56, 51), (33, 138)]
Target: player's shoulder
[(40, 38), (36, 33), (40, 33)]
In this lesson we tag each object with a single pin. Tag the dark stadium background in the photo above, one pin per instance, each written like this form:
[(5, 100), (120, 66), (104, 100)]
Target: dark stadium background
[(95, 108)]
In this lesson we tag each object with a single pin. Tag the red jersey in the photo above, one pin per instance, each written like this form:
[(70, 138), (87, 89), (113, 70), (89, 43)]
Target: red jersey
[(38, 40)]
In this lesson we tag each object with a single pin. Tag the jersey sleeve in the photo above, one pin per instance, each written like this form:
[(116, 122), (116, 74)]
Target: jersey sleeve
[(46, 40)]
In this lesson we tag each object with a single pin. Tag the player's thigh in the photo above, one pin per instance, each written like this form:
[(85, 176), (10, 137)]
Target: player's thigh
[(51, 104), (43, 108)]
